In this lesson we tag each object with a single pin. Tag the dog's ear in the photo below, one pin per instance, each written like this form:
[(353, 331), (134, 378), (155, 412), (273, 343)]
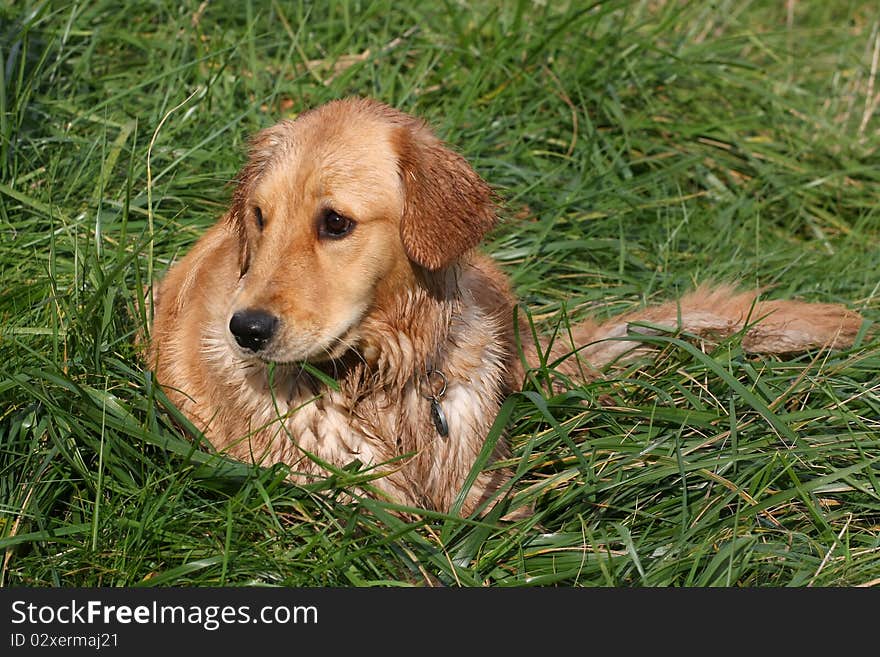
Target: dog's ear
[(448, 208), (262, 149)]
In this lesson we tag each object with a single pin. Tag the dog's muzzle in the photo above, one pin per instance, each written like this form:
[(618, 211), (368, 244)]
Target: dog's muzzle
[(253, 329)]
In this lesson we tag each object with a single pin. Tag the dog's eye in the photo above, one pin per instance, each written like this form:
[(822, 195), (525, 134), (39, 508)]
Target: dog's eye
[(258, 218), (334, 225)]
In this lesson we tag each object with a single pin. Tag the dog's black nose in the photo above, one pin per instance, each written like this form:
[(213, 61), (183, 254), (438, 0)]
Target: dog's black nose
[(253, 328)]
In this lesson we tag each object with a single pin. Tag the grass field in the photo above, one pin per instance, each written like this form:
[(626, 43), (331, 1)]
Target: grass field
[(639, 147)]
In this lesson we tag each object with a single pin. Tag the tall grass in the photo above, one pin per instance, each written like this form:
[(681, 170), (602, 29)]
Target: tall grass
[(640, 147)]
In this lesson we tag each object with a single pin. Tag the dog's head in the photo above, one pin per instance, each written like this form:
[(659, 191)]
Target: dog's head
[(334, 212)]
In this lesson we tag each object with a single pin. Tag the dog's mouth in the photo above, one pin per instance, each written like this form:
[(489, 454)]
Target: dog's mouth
[(323, 356)]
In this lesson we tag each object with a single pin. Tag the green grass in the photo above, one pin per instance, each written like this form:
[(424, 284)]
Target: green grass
[(640, 147)]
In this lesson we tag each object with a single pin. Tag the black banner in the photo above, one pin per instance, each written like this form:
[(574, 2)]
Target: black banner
[(129, 621)]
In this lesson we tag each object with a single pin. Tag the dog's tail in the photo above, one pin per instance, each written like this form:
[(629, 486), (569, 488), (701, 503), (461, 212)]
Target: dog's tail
[(715, 313)]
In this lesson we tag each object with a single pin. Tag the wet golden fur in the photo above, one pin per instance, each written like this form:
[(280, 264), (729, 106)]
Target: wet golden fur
[(403, 293)]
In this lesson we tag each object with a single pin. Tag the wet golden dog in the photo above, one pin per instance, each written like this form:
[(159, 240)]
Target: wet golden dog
[(349, 245)]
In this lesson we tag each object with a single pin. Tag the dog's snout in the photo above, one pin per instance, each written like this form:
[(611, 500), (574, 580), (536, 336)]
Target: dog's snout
[(253, 328)]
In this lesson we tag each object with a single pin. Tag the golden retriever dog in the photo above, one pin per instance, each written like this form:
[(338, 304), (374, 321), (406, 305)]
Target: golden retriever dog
[(349, 249)]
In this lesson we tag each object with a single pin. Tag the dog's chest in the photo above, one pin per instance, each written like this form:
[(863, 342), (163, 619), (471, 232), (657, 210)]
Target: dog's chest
[(384, 425)]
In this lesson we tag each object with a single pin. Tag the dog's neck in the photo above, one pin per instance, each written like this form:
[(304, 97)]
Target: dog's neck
[(412, 332)]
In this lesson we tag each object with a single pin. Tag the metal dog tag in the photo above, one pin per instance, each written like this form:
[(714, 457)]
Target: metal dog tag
[(439, 418)]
